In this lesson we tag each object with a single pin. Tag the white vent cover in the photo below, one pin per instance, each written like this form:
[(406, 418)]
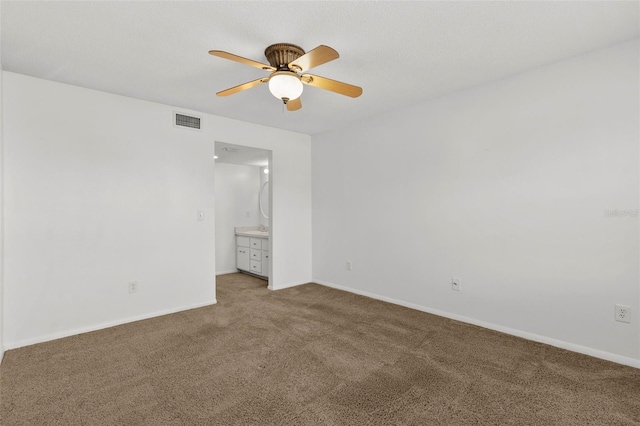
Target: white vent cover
[(190, 122)]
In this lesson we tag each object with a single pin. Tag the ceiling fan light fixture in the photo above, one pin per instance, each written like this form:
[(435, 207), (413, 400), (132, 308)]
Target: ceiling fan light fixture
[(285, 85)]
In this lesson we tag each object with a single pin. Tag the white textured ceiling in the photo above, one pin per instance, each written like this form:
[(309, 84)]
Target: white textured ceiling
[(400, 53), (244, 155)]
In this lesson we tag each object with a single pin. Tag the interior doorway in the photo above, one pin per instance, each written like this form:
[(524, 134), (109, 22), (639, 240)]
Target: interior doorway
[(243, 213)]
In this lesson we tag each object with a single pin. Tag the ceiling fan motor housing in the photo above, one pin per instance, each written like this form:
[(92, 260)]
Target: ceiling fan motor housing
[(280, 55)]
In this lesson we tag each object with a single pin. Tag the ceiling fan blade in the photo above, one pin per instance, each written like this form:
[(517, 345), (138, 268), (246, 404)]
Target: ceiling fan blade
[(236, 58), (294, 105), (332, 85), (318, 56), (242, 87)]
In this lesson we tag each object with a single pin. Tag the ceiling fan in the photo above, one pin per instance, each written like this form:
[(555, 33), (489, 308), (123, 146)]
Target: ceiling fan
[(288, 63)]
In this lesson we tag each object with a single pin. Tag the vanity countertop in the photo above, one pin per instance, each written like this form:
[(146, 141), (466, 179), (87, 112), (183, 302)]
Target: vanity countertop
[(251, 231)]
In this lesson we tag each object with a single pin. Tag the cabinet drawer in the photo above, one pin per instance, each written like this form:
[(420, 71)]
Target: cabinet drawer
[(256, 267), (243, 241), (265, 244), (256, 243), (256, 255)]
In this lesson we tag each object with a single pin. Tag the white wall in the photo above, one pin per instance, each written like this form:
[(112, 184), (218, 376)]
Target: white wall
[(505, 186), (101, 190), (236, 194), (1, 217)]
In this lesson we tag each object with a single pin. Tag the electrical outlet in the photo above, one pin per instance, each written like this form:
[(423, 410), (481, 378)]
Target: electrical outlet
[(349, 265), (456, 284), (623, 313), (133, 286)]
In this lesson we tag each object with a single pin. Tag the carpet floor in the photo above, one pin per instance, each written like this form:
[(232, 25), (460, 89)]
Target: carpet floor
[(308, 355)]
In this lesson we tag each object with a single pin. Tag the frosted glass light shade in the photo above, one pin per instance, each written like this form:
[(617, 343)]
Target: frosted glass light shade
[(285, 85)]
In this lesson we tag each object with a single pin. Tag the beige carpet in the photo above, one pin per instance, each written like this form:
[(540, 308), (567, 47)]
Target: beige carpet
[(308, 355)]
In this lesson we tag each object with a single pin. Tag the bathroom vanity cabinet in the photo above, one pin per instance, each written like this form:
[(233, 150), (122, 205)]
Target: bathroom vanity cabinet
[(252, 255)]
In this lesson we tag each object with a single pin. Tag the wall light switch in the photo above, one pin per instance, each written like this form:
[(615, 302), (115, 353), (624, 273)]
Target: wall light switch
[(200, 215), (456, 284)]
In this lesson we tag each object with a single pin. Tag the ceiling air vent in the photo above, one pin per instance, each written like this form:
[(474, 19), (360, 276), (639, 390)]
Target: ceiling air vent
[(181, 120)]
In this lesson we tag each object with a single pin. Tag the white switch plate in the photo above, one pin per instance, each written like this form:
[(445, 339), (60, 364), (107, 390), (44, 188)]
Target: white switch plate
[(349, 265), (133, 286), (456, 284), (200, 215)]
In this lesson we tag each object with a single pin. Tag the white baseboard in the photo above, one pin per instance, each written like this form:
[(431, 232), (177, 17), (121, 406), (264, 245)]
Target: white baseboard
[(288, 285), (67, 333), (1, 355), (597, 353), (230, 271)]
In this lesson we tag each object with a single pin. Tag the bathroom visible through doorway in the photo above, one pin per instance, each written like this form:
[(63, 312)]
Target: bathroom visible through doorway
[(243, 194)]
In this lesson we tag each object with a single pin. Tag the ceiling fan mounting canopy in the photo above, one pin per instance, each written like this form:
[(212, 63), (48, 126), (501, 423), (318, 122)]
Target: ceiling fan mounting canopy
[(287, 64), (280, 55)]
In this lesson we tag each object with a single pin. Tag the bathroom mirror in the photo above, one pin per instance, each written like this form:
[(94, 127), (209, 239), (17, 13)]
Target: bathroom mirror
[(263, 200)]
